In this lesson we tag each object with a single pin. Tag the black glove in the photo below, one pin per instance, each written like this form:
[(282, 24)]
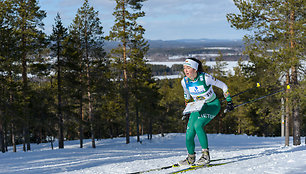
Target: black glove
[(186, 116), (229, 107)]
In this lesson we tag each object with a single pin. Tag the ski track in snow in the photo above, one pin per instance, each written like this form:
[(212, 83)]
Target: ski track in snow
[(244, 154)]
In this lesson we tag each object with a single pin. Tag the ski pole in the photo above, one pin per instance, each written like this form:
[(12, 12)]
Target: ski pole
[(259, 98), (257, 86)]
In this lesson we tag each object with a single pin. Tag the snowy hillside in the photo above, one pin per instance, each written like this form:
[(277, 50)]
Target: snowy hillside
[(243, 154)]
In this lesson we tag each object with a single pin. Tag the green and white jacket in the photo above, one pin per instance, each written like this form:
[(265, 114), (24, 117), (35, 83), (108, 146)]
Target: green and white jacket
[(201, 88)]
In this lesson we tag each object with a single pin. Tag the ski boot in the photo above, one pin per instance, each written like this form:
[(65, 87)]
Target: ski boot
[(188, 161), (204, 159)]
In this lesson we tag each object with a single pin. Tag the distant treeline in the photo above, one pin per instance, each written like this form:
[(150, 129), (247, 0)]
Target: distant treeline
[(158, 70), (231, 54), (187, 51)]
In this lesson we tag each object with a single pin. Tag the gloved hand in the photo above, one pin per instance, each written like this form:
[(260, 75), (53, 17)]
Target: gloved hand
[(186, 116), (229, 107)]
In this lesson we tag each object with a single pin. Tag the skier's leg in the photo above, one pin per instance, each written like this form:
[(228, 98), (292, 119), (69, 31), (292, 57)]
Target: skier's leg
[(208, 112), (199, 128), (190, 134)]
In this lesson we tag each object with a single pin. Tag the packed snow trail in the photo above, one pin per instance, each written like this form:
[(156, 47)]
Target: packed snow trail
[(242, 153)]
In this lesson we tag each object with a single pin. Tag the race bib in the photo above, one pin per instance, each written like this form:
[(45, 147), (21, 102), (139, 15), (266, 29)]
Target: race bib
[(196, 90)]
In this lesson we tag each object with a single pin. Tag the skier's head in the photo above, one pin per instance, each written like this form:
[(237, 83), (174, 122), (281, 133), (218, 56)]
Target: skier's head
[(194, 63), (191, 67)]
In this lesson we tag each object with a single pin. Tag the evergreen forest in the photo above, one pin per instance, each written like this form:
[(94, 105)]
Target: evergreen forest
[(66, 86)]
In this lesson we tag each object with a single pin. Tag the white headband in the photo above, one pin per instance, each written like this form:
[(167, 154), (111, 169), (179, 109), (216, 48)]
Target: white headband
[(193, 64)]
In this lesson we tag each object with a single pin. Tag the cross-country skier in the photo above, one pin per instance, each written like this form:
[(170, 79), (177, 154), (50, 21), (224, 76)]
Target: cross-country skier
[(197, 85)]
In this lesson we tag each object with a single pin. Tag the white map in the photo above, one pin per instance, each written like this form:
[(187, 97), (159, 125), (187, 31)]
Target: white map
[(193, 107)]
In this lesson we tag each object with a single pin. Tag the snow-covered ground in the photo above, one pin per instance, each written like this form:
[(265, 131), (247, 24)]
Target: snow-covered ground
[(243, 154)]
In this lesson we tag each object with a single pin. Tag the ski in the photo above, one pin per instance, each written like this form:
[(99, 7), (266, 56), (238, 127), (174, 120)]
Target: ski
[(195, 167), (157, 169), (166, 167)]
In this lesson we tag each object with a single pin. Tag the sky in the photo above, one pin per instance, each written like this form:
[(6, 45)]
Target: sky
[(164, 20)]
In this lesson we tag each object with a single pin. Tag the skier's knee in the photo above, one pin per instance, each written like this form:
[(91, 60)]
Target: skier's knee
[(198, 127), (189, 138)]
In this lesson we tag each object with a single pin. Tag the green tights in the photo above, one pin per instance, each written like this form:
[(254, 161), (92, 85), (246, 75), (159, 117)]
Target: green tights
[(196, 123)]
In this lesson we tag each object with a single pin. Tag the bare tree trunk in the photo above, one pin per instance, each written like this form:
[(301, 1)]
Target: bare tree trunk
[(126, 91), (162, 130), (295, 109), (150, 129), (283, 118), (52, 142), (1, 134), (296, 121), (91, 118), (142, 131), (28, 137), (25, 88), (24, 74), (127, 117), (1, 139), (59, 105), (90, 115), (6, 139), (287, 111), (137, 123), (81, 121), (13, 138), (296, 124), (12, 121), (24, 139)]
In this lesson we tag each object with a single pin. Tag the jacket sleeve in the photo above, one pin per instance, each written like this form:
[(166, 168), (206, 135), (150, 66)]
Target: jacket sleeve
[(210, 80), (187, 95)]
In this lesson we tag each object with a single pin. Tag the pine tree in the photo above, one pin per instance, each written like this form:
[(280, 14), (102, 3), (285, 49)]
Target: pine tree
[(219, 73), (277, 26), (140, 74), (124, 30), (171, 105), (5, 68), (26, 21), (73, 82), (58, 36), (42, 109), (149, 106), (87, 29)]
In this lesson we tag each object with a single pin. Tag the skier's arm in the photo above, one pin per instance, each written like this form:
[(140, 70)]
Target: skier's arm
[(187, 95), (210, 80)]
